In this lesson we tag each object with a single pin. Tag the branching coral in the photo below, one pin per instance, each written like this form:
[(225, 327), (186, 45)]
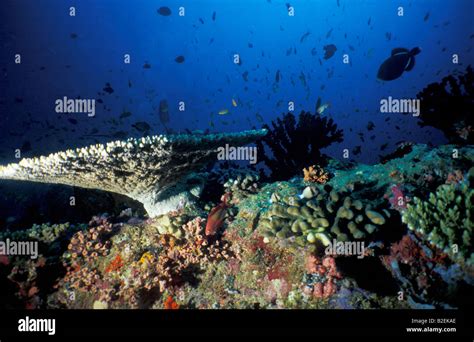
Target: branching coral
[(315, 174), (295, 144), (449, 105), (156, 171), (446, 220)]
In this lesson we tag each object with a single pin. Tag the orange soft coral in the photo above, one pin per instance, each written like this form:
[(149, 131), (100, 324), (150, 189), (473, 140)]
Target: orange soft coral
[(170, 304), (315, 174)]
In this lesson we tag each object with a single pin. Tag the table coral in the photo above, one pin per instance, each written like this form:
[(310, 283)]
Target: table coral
[(155, 170)]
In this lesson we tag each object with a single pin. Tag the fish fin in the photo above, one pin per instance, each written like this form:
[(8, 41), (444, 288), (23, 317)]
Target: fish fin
[(399, 50), (411, 64)]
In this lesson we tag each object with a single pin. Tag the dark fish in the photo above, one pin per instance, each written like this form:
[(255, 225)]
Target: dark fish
[(370, 126), (357, 150), (250, 45), (313, 52), (125, 115), (202, 21), (165, 11), (129, 83), (383, 147), (304, 36), (26, 147), (288, 52), (73, 35), (141, 126), (73, 121), (401, 60), (368, 22), (214, 16), (388, 35), (427, 16), (351, 48), (108, 88), (245, 76), (146, 66), (164, 113), (329, 51), (277, 76), (179, 59), (329, 33), (18, 100)]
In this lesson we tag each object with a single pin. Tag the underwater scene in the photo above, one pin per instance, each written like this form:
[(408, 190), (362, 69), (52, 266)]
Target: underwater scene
[(252, 154)]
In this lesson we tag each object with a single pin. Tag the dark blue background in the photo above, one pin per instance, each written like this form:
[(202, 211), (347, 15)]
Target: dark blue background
[(55, 65)]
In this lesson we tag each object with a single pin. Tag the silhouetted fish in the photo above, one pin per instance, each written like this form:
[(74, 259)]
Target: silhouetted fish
[(165, 11), (146, 66), (401, 60), (141, 126), (108, 88), (329, 51), (179, 59)]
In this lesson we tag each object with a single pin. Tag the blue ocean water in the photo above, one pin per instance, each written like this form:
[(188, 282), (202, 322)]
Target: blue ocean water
[(77, 56)]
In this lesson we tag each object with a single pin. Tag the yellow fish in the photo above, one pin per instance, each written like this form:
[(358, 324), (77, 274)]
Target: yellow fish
[(234, 103), (223, 112)]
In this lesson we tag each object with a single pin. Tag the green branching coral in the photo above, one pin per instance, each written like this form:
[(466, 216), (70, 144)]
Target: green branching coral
[(446, 220), (319, 216)]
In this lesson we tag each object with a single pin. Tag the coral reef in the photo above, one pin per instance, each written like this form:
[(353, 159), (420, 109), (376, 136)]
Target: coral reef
[(267, 243), (325, 215), (156, 170), (293, 144), (448, 106), (446, 220), (315, 174)]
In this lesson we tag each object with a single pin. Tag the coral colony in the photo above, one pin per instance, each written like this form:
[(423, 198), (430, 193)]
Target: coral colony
[(279, 216)]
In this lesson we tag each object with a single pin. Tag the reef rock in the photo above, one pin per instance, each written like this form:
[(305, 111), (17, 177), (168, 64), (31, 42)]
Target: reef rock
[(157, 171)]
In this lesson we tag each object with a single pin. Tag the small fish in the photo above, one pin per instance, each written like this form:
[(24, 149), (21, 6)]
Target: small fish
[(26, 147), (179, 59), (73, 121), (245, 76), (201, 21), (164, 11), (73, 35), (108, 88), (277, 76), (214, 16), (304, 36), (357, 150), (125, 114), (329, 51), (146, 66), (216, 216), (308, 193), (427, 16), (370, 126), (141, 126), (223, 112), (322, 108), (234, 103)]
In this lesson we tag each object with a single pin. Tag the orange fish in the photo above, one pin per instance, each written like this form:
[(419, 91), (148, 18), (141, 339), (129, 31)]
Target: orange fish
[(216, 217)]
